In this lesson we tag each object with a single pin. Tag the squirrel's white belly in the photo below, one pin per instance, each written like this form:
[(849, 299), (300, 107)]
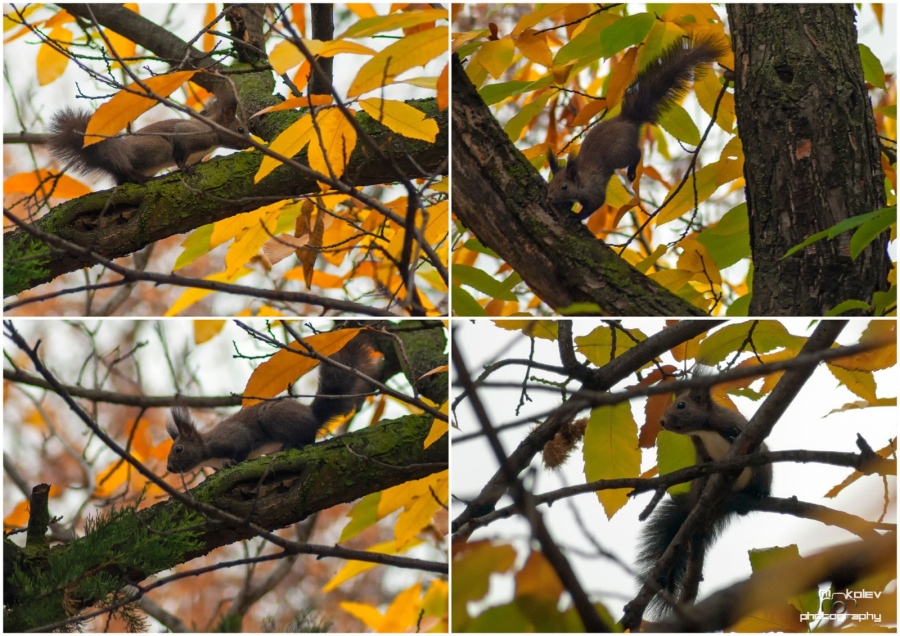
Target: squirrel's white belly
[(266, 449)]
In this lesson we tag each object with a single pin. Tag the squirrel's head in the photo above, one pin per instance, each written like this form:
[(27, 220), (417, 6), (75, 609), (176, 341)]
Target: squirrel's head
[(187, 449), (562, 190), (689, 408)]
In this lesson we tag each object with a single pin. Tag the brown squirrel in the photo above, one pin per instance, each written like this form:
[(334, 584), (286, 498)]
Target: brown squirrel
[(275, 425), (613, 144), (712, 428), (139, 156)]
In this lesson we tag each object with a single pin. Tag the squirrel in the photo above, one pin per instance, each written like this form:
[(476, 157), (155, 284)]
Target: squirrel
[(614, 143), (274, 425), (135, 158), (712, 428)]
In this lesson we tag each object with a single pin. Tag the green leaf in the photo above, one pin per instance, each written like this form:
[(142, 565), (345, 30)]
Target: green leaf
[(517, 123), (463, 302), (885, 301), (626, 32), (475, 245), (767, 335), (849, 305), (482, 281), (871, 229), (838, 228), (675, 452), (493, 93), (728, 241), (195, 245), (872, 68), (740, 307), (581, 309), (679, 124), (585, 45)]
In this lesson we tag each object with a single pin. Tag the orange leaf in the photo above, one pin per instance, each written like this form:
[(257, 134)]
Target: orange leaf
[(443, 88), (130, 103), (285, 367), (50, 62)]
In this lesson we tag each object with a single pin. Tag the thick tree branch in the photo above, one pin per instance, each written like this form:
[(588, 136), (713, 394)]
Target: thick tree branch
[(500, 197), (118, 222)]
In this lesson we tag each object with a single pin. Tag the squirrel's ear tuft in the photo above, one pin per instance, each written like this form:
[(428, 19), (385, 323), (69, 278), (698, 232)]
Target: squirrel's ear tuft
[(554, 164), (181, 424)]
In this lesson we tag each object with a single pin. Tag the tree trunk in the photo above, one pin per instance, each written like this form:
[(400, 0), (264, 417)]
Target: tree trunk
[(812, 155)]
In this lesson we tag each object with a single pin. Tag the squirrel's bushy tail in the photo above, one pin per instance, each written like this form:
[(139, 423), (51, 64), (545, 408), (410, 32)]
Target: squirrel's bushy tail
[(656, 536), (664, 81), (341, 392), (67, 143)]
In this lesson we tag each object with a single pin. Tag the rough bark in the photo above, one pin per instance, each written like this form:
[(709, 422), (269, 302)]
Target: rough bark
[(811, 155), (501, 198)]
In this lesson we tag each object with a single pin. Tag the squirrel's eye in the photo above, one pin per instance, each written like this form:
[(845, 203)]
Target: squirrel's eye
[(179, 448), (241, 130), (680, 406), (564, 187)]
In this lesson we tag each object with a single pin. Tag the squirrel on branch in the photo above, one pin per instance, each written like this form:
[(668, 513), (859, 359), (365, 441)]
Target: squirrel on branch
[(136, 157), (712, 429), (614, 143), (274, 425)]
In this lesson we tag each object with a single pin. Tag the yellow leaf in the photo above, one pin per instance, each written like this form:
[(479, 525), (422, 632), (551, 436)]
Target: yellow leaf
[(195, 294), (126, 106), (369, 616), (333, 47), (530, 19), (695, 258), (338, 139), (422, 499), (401, 118), (207, 330), (50, 62), (268, 312), (439, 428), (362, 10), (875, 359), (496, 56), (111, 479), (370, 25), (862, 383), (611, 450), (706, 184), (355, 568), (285, 367), (403, 613), (288, 144), (413, 50), (545, 329), (260, 230)]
